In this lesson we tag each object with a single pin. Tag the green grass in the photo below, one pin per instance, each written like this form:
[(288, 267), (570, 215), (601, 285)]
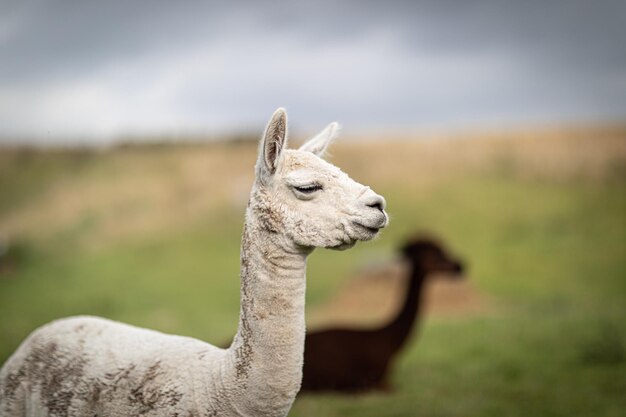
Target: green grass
[(552, 255)]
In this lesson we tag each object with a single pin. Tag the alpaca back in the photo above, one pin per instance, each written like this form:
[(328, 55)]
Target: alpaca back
[(92, 366)]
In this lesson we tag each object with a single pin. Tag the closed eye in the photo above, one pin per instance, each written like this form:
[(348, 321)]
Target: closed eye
[(308, 189)]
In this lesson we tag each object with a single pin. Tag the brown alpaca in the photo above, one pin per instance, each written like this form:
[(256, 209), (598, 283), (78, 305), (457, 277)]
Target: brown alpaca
[(357, 360)]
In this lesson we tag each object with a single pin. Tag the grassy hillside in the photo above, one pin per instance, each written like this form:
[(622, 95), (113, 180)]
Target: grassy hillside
[(150, 236)]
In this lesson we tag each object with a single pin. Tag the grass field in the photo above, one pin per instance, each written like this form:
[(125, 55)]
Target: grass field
[(150, 236)]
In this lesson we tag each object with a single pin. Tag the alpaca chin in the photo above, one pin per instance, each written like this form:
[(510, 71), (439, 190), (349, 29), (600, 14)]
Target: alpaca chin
[(343, 246)]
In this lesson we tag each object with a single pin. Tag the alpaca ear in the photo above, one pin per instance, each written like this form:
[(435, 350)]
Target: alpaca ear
[(407, 250), (273, 142), (319, 143)]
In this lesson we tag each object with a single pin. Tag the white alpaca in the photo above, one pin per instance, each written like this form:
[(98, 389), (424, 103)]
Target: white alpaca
[(88, 366)]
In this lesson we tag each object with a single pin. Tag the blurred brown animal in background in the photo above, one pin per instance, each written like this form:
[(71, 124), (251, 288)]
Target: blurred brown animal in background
[(351, 360)]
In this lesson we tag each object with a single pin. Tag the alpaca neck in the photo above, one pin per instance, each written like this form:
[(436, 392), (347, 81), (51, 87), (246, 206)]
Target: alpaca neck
[(400, 328), (267, 353)]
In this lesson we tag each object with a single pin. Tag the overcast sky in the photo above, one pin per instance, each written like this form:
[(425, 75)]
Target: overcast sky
[(96, 70)]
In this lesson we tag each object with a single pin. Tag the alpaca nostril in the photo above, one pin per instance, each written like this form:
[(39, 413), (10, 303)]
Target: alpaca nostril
[(373, 200), (377, 205), (376, 201)]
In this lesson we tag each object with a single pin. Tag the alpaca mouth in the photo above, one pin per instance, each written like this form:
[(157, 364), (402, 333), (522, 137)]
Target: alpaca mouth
[(454, 268), (366, 232), (373, 230)]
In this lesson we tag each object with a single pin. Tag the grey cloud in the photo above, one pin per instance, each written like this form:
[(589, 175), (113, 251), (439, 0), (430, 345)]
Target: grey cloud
[(101, 68)]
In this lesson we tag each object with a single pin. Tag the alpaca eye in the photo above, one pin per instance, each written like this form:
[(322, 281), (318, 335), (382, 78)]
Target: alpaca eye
[(308, 189)]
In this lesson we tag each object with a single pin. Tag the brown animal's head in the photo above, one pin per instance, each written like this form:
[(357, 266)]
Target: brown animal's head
[(429, 256)]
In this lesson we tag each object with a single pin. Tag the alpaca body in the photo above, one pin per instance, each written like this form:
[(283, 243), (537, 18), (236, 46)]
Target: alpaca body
[(358, 360), (87, 366), (74, 367)]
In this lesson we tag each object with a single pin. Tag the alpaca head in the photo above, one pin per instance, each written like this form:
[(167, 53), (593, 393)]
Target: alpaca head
[(307, 200), (429, 256)]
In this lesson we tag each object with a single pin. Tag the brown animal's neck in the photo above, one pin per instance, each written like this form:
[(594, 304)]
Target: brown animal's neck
[(267, 352), (400, 328)]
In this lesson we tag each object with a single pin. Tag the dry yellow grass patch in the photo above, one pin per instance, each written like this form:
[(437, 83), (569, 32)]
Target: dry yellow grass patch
[(550, 154), (134, 191)]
